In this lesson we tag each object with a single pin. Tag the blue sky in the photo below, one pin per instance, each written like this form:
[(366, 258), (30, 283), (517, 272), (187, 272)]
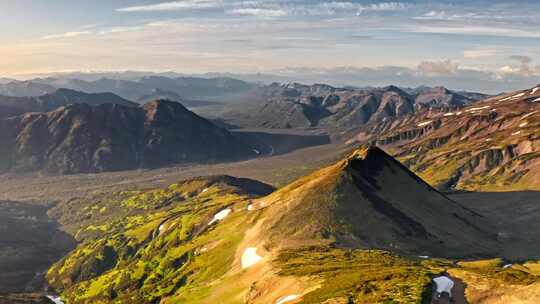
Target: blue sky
[(495, 39)]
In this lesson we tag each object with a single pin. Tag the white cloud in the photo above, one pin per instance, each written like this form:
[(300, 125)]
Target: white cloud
[(438, 68), (65, 35), (259, 12), (480, 53), (173, 6), (473, 30)]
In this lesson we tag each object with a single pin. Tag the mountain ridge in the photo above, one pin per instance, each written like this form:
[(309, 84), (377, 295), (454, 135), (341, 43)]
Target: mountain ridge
[(79, 138)]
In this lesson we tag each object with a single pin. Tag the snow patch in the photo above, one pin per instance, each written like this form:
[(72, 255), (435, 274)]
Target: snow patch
[(286, 299), (55, 299), (535, 90), (220, 215), (518, 95), (444, 284), (250, 207), (250, 257), (489, 139), (536, 100), (424, 256), (507, 266), (204, 190), (256, 151), (424, 123), (523, 124), (516, 133), (530, 114), (478, 109), (449, 114)]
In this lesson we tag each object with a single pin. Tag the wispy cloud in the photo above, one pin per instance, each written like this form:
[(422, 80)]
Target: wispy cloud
[(273, 8), (438, 68), (66, 35), (480, 53), (472, 30), (173, 6), (259, 12)]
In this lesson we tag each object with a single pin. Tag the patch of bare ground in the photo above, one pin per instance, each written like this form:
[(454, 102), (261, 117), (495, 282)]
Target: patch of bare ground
[(276, 170)]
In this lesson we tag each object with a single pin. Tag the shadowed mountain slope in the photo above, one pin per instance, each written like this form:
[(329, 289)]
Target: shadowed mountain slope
[(80, 138), (370, 200)]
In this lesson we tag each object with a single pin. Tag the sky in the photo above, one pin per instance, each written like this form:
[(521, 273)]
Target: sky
[(487, 45)]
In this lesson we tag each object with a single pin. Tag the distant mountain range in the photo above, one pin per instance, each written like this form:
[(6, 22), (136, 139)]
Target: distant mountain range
[(186, 87), (303, 106), (157, 94), (25, 88), (79, 138), (492, 144), (12, 106)]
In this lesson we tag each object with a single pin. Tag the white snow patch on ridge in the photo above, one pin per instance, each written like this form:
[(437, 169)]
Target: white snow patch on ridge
[(250, 257), (516, 133), (535, 90), (220, 215), (55, 299), (449, 114), (424, 123), (523, 124), (478, 109), (444, 284), (527, 115), (286, 299)]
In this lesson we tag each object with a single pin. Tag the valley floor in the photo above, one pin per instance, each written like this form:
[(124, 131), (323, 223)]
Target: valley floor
[(276, 170)]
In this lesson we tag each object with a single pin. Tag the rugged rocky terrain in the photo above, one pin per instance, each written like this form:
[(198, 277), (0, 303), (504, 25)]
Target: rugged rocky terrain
[(12, 106), (303, 106), (219, 239), (81, 138), (493, 144)]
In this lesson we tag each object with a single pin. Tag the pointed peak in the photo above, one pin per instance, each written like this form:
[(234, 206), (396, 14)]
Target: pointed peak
[(367, 152)]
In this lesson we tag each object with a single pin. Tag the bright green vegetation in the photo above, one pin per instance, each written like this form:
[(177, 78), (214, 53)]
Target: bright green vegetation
[(131, 260), (493, 269), (359, 276)]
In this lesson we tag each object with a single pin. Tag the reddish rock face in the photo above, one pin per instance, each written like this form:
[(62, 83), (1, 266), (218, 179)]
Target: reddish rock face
[(492, 143), (79, 138)]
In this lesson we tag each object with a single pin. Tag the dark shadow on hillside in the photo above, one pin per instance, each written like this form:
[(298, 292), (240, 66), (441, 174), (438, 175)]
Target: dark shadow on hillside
[(516, 216), (278, 143), (30, 242)]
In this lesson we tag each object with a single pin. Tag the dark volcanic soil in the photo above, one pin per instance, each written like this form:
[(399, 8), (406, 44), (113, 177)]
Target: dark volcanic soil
[(29, 243)]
